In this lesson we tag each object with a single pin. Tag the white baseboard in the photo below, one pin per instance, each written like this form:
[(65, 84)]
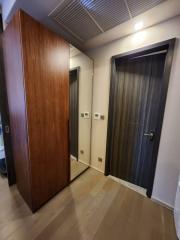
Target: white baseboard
[(74, 158), (157, 200), (79, 160), (129, 185), (164, 204), (97, 169)]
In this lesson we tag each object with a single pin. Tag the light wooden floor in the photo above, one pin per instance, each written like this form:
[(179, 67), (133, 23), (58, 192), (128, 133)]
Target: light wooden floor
[(93, 207), (77, 168)]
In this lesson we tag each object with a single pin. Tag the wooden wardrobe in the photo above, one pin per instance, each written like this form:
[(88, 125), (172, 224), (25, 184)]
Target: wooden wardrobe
[(37, 81)]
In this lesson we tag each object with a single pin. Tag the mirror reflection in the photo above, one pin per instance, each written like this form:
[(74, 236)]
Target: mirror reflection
[(80, 77)]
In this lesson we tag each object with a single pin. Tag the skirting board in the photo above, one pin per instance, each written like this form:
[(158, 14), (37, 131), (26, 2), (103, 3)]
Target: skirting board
[(83, 162), (129, 185), (79, 160), (164, 204), (74, 158), (97, 169)]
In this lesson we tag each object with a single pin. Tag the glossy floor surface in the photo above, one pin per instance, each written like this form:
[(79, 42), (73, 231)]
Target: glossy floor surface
[(93, 207), (77, 168)]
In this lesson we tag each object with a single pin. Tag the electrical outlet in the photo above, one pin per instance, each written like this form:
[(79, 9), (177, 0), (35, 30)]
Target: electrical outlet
[(100, 159), (86, 115), (97, 116)]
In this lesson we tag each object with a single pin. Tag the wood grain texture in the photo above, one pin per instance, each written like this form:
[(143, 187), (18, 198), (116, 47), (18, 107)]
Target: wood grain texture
[(135, 110), (92, 207), (46, 72), (38, 86), (17, 106), (169, 46)]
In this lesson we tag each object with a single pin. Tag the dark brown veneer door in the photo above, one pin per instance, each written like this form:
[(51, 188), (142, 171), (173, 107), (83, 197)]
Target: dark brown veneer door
[(38, 95), (16, 101), (46, 64)]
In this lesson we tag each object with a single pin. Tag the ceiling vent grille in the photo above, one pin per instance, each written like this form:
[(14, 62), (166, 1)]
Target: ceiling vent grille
[(108, 14), (85, 19), (75, 19), (137, 7)]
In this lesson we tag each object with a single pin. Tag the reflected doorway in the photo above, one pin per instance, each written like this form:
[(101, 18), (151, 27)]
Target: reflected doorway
[(80, 99), (74, 106), (77, 167)]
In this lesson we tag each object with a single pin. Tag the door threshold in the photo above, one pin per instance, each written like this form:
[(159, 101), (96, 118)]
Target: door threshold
[(132, 186)]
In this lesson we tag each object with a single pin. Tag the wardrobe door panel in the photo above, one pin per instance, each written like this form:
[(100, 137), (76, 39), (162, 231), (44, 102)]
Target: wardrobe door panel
[(46, 64), (16, 103)]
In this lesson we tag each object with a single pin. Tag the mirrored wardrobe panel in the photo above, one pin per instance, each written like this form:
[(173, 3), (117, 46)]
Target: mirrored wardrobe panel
[(80, 77)]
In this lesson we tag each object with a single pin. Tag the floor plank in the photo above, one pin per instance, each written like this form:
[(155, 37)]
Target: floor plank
[(93, 207), (77, 168)]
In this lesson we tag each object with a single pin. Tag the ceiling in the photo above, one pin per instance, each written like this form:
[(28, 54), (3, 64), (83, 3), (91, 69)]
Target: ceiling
[(74, 51), (90, 23), (88, 18)]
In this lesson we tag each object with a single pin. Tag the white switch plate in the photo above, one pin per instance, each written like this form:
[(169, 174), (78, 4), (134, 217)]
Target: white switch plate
[(97, 116), (86, 115)]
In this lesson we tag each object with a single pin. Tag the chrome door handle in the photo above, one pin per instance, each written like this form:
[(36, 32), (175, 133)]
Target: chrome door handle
[(150, 135), (7, 130)]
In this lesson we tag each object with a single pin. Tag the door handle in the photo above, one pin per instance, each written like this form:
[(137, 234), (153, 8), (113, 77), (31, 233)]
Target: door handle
[(7, 130), (150, 135)]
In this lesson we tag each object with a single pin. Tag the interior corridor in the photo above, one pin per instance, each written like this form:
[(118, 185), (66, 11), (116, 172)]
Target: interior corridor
[(92, 207)]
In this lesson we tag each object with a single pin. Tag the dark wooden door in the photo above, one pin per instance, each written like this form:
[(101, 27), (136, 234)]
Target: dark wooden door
[(136, 104), (46, 73), (74, 96), (12, 50), (37, 80)]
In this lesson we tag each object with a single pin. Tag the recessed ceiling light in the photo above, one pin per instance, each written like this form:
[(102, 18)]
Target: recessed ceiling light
[(138, 26)]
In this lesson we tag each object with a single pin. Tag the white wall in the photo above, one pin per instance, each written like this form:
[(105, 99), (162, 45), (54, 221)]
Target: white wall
[(85, 103), (168, 163), (7, 6)]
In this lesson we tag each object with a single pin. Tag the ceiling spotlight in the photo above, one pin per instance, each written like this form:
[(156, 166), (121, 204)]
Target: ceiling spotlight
[(138, 26)]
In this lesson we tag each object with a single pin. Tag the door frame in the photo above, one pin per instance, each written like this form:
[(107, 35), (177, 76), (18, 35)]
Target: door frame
[(78, 74), (5, 117), (165, 45)]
